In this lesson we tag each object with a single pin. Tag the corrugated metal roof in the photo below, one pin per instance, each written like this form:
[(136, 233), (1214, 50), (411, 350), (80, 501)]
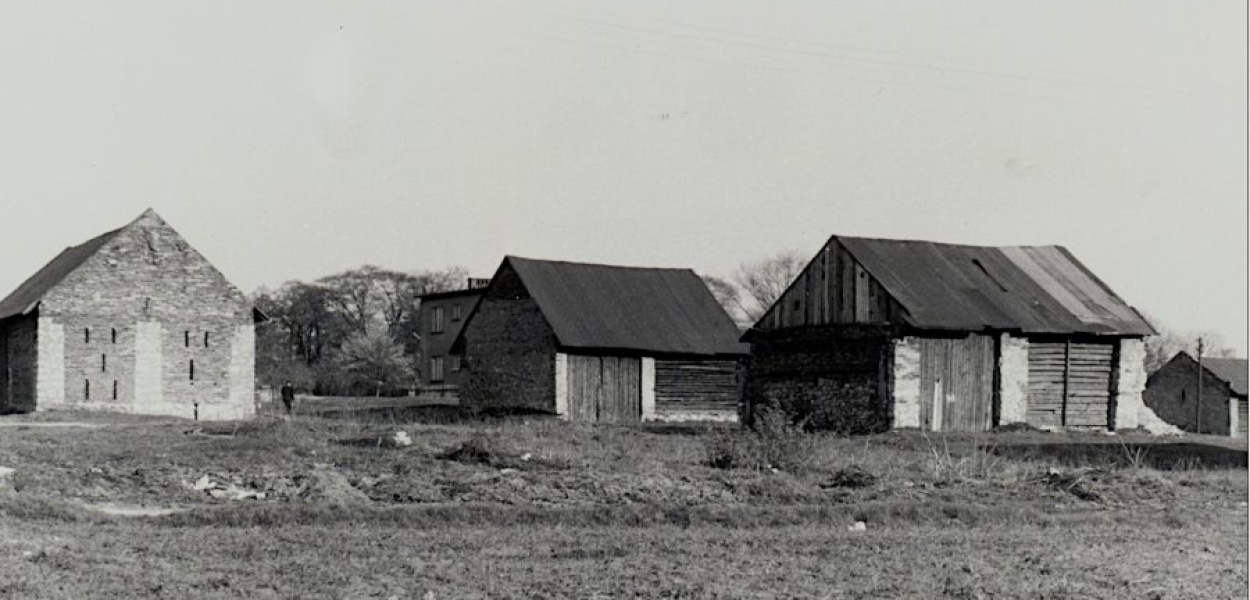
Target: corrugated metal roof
[(1232, 370), (602, 307), (33, 289), (1033, 289)]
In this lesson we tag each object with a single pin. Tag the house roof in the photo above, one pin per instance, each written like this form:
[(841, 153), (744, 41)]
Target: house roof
[(1232, 370), (1033, 289), (663, 311), (23, 299)]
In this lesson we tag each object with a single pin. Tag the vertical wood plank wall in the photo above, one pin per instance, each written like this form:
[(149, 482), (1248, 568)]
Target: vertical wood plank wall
[(604, 388), (833, 289), (1070, 384), (957, 383)]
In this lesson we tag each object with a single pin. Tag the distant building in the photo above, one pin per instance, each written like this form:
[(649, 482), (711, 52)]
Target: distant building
[(877, 334), (134, 320), (601, 343), (1172, 392), (441, 316)]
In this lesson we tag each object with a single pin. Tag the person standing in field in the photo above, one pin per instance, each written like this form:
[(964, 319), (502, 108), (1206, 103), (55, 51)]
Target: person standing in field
[(288, 396)]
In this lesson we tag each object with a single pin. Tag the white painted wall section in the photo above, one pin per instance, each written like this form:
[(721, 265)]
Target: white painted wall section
[(50, 365), (647, 387), (562, 385), (906, 386)]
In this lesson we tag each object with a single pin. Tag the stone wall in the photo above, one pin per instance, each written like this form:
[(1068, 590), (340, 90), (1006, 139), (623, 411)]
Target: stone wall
[(831, 380), (905, 385), (510, 350), (1172, 393), (130, 321), (1013, 379)]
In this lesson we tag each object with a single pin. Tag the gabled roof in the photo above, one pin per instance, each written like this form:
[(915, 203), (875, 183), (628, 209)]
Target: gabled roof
[(602, 307), (1232, 370), (23, 299), (1032, 289)]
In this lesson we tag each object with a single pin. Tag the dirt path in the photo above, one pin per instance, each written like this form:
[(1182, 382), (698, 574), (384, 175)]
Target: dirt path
[(131, 510)]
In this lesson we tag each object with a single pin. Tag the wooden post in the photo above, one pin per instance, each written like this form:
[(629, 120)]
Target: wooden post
[(1067, 372)]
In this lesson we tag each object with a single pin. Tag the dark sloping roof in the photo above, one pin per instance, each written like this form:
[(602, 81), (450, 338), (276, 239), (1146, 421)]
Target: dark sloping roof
[(663, 311), (1034, 289), (1231, 370), (31, 291)]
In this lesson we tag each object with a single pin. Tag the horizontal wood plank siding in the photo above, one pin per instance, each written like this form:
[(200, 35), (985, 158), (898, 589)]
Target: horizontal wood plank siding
[(696, 385), (1070, 384)]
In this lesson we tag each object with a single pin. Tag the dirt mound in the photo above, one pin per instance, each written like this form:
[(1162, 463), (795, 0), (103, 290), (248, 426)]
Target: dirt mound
[(325, 485)]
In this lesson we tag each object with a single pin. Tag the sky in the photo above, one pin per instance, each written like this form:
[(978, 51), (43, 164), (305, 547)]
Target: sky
[(294, 139)]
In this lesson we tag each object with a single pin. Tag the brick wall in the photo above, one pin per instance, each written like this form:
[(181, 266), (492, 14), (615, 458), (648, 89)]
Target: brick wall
[(509, 350), (1172, 392), (136, 316)]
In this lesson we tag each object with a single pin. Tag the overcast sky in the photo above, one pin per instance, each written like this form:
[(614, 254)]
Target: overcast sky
[(289, 140)]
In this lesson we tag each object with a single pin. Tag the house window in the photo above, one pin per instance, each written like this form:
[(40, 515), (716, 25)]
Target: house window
[(86, 335), (436, 368), (86, 389), (191, 370), (454, 359), (455, 312), (205, 339), (114, 389), (114, 333), (104, 363), (436, 320), (186, 339)]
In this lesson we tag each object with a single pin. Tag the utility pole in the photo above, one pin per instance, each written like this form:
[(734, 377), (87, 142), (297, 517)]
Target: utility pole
[(1198, 407)]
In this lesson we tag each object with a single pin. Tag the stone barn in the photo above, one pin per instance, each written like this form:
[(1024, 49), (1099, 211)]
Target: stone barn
[(1207, 399), (877, 334), (134, 320), (601, 343)]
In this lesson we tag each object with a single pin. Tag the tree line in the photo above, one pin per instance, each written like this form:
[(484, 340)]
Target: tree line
[(351, 333)]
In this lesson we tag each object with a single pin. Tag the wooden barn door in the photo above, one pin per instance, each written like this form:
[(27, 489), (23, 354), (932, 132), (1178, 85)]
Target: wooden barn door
[(1070, 384), (604, 389), (957, 383)]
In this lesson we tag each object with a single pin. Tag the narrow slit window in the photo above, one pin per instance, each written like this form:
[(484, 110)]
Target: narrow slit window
[(186, 339), (104, 362), (205, 339), (86, 389), (191, 370), (86, 335), (114, 389), (114, 335)]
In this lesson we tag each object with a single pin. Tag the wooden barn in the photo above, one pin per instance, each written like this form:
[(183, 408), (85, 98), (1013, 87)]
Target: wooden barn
[(1208, 399), (877, 334), (601, 343)]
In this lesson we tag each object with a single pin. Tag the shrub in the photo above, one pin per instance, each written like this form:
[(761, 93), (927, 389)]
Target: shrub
[(773, 443)]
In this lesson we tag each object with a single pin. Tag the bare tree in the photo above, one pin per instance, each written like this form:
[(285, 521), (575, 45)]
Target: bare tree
[(763, 281), (727, 295), (1162, 347)]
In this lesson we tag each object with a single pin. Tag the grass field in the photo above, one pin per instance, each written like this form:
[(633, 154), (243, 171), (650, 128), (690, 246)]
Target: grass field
[(146, 507)]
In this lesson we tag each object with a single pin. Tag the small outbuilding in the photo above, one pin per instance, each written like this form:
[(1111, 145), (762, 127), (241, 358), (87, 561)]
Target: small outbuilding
[(603, 343), (876, 334), (1210, 399)]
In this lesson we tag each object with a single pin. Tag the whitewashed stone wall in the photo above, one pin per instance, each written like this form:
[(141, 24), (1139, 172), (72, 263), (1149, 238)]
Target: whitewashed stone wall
[(1013, 376), (906, 383), (647, 388), (50, 365), (562, 385)]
